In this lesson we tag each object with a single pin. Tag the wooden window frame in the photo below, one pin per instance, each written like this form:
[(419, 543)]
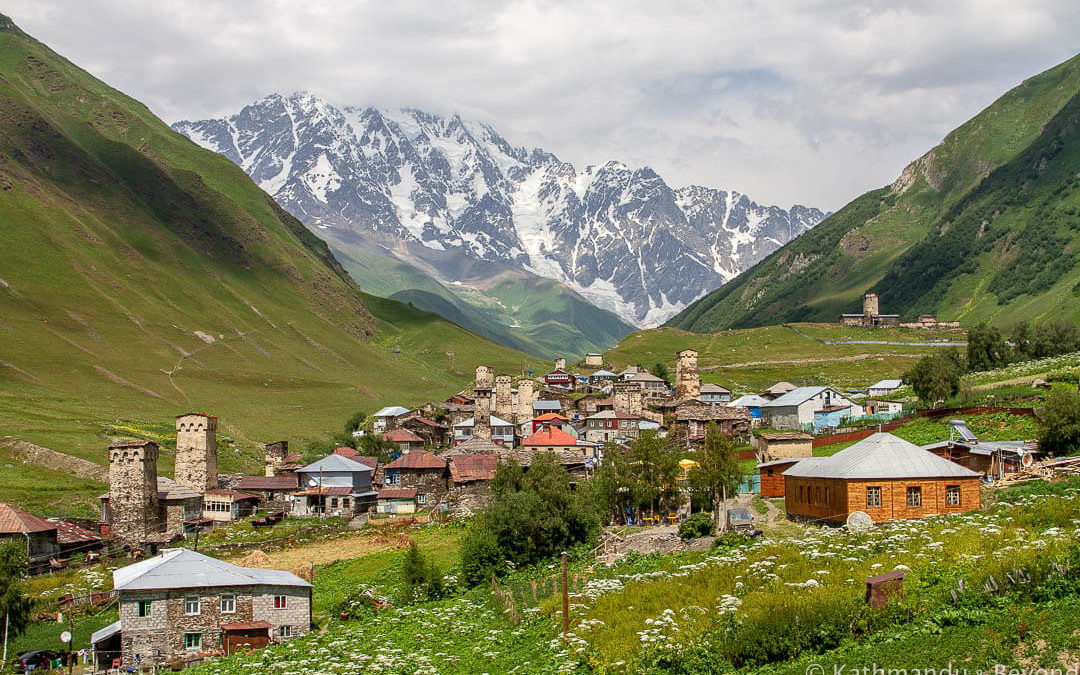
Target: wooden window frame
[(875, 502), (281, 602), (145, 609), (914, 496), (228, 603), (954, 496), (188, 603), (193, 642)]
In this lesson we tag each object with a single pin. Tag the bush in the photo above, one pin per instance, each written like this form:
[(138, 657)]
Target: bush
[(481, 556), (420, 579), (1059, 423), (698, 525)]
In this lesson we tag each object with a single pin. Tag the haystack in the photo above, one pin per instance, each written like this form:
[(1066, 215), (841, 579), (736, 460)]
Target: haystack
[(255, 559)]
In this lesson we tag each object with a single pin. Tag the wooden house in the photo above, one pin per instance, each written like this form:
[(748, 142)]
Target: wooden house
[(882, 475), (225, 506), (992, 459), (36, 535), (772, 476)]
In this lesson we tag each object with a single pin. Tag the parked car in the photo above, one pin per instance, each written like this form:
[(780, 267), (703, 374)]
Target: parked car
[(37, 659), (740, 520)]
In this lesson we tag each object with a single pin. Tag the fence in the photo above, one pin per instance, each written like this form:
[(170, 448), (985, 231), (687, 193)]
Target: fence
[(932, 414)]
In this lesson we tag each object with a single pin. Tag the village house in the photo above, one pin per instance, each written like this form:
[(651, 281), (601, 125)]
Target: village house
[(334, 485), (37, 535), (273, 491), (602, 376), (883, 407), (502, 432), (181, 604), (594, 360), (224, 506), (396, 501), (714, 394), (796, 409), (610, 426), (653, 386), (870, 316), (72, 538), (470, 481), (383, 420), (473, 446), (834, 416), (594, 403), (431, 433), (693, 419), (752, 404), (530, 427), (777, 390), (578, 460), (772, 445), (422, 471), (883, 388), (559, 378), (405, 440), (628, 373), (883, 476), (992, 459)]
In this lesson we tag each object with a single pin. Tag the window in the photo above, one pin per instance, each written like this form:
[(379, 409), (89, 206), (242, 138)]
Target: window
[(952, 495), (281, 601), (193, 641), (421, 498), (144, 608), (192, 605), (333, 502), (228, 603), (284, 631), (873, 495), (770, 472), (914, 496)]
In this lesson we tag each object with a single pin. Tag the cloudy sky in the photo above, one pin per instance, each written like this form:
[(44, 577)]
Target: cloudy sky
[(808, 101)]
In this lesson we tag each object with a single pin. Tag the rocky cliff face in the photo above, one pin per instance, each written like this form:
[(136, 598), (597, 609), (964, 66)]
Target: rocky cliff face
[(621, 237)]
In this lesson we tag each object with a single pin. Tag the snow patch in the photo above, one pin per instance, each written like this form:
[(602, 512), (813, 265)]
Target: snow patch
[(321, 178)]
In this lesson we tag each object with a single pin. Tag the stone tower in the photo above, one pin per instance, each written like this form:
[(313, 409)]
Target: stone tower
[(525, 399), (275, 456), (485, 377), (560, 363), (687, 379), (870, 304), (504, 398), (133, 493), (482, 413), (196, 452), (627, 397)]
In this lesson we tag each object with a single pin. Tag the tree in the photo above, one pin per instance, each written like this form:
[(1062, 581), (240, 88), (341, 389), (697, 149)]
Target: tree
[(660, 370), (986, 348), (1023, 342), (420, 579), (717, 473), (374, 445), (1059, 423), (1055, 337), (533, 515), (14, 604), (651, 470), (935, 377)]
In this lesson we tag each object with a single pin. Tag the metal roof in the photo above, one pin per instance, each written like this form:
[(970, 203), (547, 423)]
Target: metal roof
[(183, 568), (887, 384), (285, 481), (417, 459), (391, 411), (547, 405), (335, 463), (801, 395), (492, 421), (785, 460), (105, 633), (14, 520), (881, 455), (748, 401)]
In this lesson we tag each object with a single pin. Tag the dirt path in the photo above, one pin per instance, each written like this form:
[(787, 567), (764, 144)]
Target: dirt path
[(336, 549), (799, 362), (1026, 379)]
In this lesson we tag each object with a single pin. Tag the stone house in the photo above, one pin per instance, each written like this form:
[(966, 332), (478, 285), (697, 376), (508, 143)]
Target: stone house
[(771, 445), (502, 432), (882, 475), (610, 426), (432, 433), (334, 485), (594, 360), (173, 511), (225, 506), (182, 603), (273, 491), (777, 390), (714, 394), (653, 386), (397, 501), (795, 409), (473, 446), (384, 418), (37, 535), (422, 471), (470, 481), (693, 419), (405, 440)]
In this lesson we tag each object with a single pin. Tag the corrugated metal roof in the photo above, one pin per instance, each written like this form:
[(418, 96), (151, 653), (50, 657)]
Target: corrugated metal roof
[(286, 481), (417, 459), (397, 493), (553, 436), (70, 533), (105, 633), (786, 460), (881, 455), (335, 463), (14, 520), (391, 411), (465, 468), (748, 401), (492, 420), (887, 384), (402, 436), (795, 397), (183, 568)]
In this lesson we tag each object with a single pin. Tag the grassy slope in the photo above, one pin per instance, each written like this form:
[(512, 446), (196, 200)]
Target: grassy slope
[(513, 308), (824, 272), (722, 357), (143, 277)]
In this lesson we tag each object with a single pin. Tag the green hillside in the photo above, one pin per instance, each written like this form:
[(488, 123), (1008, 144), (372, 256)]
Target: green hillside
[(142, 277), (982, 227), (512, 307)]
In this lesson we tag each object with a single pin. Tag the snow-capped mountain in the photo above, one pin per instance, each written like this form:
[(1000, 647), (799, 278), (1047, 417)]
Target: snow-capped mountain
[(621, 237)]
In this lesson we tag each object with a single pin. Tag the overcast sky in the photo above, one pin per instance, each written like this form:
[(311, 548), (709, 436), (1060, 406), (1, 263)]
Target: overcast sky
[(789, 101)]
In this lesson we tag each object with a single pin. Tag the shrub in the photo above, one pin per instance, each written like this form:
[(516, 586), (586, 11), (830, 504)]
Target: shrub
[(698, 525), (420, 579)]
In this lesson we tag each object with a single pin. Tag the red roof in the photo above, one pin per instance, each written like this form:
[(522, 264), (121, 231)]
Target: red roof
[(402, 436), (417, 459), (550, 436), (293, 457), (346, 452), (424, 420), (285, 481), (70, 533), (465, 468), (397, 493), (14, 520), (373, 462), (547, 417)]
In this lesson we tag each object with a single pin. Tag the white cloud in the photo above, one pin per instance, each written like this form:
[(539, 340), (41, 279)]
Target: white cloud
[(786, 100)]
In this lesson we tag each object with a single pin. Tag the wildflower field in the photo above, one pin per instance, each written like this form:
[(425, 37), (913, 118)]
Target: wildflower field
[(1001, 585)]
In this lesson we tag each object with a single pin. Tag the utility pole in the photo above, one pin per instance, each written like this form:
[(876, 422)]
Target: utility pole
[(7, 621), (565, 599)]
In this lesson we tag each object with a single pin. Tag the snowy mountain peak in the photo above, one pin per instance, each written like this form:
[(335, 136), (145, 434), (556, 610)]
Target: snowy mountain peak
[(619, 236)]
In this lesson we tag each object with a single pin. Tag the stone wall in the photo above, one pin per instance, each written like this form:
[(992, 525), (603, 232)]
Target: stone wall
[(526, 397), (482, 414), (504, 398), (274, 454), (485, 377), (472, 496), (687, 378), (196, 452), (432, 483), (628, 398)]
